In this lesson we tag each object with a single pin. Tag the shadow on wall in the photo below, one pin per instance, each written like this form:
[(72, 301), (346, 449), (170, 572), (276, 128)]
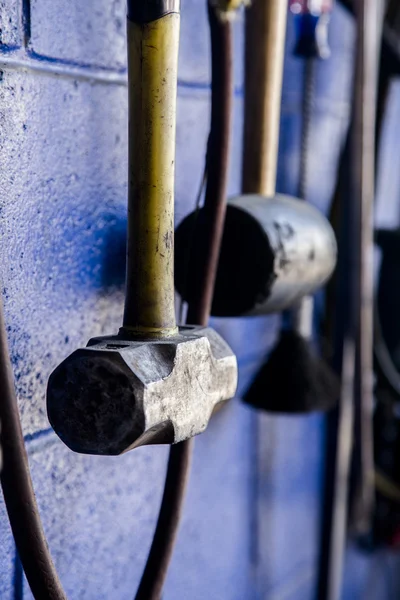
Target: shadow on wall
[(113, 262), (94, 255)]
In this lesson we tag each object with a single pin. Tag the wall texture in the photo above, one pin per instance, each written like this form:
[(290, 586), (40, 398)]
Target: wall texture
[(250, 527)]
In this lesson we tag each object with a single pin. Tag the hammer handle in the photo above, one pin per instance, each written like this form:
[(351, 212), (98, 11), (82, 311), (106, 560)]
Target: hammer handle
[(264, 56), (152, 76)]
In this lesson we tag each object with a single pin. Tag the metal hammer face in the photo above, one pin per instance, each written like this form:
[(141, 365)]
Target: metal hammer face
[(115, 394), (274, 252)]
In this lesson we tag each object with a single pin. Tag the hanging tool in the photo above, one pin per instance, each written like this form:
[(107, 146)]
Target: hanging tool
[(154, 28), (152, 383), (293, 378), (354, 348), (275, 249)]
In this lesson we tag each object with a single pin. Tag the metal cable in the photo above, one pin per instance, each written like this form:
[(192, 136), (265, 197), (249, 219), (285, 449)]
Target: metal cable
[(354, 350)]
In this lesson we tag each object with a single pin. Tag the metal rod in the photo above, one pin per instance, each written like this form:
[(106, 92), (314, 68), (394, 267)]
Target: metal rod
[(354, 350), (366, 83), (264, 57), (213, 215)]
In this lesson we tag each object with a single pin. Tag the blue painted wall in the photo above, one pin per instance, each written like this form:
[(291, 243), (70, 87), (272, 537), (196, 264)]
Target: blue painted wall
[(250, 526)]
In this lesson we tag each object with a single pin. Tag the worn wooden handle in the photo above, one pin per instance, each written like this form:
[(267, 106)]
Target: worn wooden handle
[(264, 54)]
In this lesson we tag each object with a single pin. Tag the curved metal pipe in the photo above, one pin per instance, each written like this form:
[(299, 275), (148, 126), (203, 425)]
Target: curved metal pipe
[(19, 496)]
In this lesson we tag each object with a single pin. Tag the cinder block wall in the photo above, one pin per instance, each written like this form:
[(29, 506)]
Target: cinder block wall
[(251, 519)]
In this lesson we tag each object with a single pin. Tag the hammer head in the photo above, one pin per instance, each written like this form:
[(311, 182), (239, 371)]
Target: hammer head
[(274, 252), (115, 394)]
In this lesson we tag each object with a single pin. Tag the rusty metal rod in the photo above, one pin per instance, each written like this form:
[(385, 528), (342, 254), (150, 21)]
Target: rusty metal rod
[(354, 350), (213, 214)]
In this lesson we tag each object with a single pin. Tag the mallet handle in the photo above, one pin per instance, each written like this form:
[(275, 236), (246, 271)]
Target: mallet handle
[(153, 41), (264, 56)]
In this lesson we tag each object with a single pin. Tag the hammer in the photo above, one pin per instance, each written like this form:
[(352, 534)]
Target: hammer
[(275, 249), (153, 382)]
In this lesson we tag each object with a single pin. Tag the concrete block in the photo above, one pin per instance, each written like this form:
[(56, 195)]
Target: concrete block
[(63, 219), (94, 33), (372, 575), (98, 514), (89, 32), (301, 586), (191, 144), (289, 464), (10, 24), (214, 548), (7, 555), (194, 54)]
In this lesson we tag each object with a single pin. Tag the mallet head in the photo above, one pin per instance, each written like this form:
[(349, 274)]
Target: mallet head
[(116, 394), (274, 252)]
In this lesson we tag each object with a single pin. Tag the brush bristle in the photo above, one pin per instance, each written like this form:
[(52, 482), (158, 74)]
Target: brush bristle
[(293, 379)]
